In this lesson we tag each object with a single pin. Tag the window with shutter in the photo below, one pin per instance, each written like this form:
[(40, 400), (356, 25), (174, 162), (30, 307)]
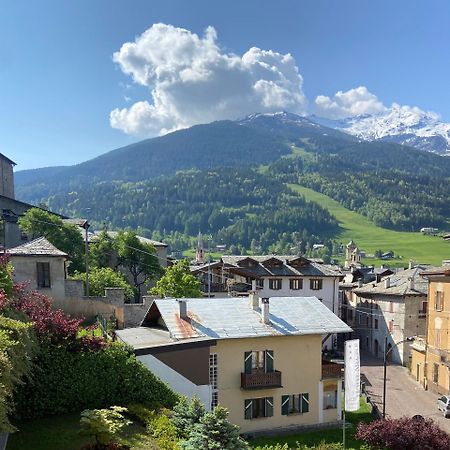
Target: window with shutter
[(248, 362), (43, 274), (248, 409), (284, 405), (269, 407), (304, 403), (269, 361)]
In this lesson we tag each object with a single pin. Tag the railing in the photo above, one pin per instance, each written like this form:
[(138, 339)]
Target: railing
[(331, 370), (261, 380), (215, 287)]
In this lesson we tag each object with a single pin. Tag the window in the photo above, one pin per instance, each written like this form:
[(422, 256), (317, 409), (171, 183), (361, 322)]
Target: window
[(23, 236), (376, 324), (213, 379), (260, 284), (258, 361), (275, 284), (391, 326), (294, 404), (437, 338), (315, 285), (296, 284), (439, 301), (330, 400), (424, 308), (391, 307), (43, 274), (435, 372), (255, 408)]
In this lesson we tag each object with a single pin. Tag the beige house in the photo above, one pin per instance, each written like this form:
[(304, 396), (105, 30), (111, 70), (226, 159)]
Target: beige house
[(259, 358)]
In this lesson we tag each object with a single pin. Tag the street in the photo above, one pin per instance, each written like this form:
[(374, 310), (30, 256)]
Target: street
[(404, 396)]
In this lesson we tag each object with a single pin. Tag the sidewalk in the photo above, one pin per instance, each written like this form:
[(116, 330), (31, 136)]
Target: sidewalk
[(404, 396)]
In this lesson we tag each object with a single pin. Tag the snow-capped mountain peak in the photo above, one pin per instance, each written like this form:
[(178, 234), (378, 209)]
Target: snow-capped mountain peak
[(401, 124)]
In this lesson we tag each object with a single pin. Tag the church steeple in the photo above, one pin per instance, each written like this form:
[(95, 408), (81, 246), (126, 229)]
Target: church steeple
[(200, 253)]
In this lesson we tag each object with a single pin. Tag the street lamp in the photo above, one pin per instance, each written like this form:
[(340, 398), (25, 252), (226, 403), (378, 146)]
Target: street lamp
[(386, 353)]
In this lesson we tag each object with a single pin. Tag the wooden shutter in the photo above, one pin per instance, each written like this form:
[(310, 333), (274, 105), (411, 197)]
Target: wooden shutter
[(304, 398), (268, 359), (248, 409), (248, 362), (285, 405), (268, 407)]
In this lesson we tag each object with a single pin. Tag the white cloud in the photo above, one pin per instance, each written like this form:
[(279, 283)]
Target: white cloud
[(191, 80), (347, 104)]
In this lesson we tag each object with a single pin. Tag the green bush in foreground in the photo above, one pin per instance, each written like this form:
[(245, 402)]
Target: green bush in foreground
[(65, 381)]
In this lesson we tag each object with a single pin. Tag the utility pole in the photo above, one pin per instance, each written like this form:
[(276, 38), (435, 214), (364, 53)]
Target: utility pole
[(209, 265), (86, 226), (384, 377)]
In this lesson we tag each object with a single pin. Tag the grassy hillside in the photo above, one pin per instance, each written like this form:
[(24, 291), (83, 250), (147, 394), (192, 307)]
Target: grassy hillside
[(369, 237)]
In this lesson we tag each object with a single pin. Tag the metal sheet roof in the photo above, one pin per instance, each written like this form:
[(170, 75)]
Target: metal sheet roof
[(226, 318)]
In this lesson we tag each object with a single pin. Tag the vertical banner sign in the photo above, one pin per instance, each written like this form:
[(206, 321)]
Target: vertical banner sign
[(352, 375)]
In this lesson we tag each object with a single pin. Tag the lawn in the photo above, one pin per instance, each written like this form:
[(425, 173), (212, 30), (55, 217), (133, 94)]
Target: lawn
[(330, 436), (62, 433), (370, 237)]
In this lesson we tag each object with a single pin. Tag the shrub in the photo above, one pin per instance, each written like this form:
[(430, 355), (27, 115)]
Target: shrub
[(405, 433), (214, 432), (103, 424), (186, 414), (66, 381)]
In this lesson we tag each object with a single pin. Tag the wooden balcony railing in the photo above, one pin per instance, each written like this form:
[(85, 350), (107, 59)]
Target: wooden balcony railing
[(331, 370), (261, 380)]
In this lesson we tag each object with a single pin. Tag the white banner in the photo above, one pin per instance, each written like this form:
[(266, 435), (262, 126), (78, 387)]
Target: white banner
[(352, 375)]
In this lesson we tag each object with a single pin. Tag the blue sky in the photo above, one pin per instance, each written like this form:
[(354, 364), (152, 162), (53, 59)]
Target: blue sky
[(59, 82)]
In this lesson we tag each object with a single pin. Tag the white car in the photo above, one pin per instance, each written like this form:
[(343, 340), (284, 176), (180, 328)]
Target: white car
[(444, 405)]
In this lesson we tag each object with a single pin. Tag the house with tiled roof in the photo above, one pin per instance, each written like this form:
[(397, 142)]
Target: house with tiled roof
[(272, 275), (42, 265), (391, 310), (259, 358)]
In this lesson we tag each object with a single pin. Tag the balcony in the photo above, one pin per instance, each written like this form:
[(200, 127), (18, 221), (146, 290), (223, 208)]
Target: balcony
[(261, 380), (331, 370)]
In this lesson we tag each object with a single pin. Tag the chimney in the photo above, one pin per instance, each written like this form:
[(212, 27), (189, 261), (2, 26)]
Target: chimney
[(411, 283), (360, 282), (387, 282), (410, 265), (446, 262), (253, 300), (182, 307), (265, 310)]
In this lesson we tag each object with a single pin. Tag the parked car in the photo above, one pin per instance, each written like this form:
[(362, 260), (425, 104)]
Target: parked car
[(444, 405)]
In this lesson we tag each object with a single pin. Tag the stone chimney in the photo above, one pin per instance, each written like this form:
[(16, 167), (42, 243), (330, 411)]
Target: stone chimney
[(182, 309), (387, 282), (360, 282), (411, 264), (411, 283), (253, 300), (265, 310)]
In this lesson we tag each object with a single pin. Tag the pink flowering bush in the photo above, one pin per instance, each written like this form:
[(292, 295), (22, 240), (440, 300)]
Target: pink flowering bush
[(405, 433)]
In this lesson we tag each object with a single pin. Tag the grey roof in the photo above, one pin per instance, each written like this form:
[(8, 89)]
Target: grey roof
[(37, 247), (228, 318), (142, 239), (7, 159), (399, 284), (310, 268)]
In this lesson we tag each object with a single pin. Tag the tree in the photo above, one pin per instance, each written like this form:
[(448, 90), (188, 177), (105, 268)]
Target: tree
[(101, 250), (101, 278), (186, 413), (138, 258), (178, 282), (214, 432), (104, 424), (66, 237), (406, 433)]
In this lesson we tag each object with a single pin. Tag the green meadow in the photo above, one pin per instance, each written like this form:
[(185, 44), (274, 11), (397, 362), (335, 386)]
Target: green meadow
[(369, 237)]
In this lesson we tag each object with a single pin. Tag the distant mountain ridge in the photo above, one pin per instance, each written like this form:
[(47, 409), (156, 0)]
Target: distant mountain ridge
[(402, 125)]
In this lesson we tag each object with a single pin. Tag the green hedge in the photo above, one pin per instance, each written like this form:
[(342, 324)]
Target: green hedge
[(65, 381)]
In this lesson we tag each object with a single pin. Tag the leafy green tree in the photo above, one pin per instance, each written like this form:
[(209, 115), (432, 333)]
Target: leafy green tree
[(186, 413), (101, 250), (177, 282), (101, 278), (138, 258), (215, 432), (66, 237), (103, 424)]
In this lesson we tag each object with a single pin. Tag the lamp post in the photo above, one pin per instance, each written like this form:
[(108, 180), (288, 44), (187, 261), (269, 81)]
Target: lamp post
[(386, 353)]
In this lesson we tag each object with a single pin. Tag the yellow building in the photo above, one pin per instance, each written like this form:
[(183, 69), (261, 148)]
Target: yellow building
[(259, 358), (430, 364)]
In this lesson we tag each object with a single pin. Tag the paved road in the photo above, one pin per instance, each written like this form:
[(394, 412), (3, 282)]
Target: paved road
[(404, 395)]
